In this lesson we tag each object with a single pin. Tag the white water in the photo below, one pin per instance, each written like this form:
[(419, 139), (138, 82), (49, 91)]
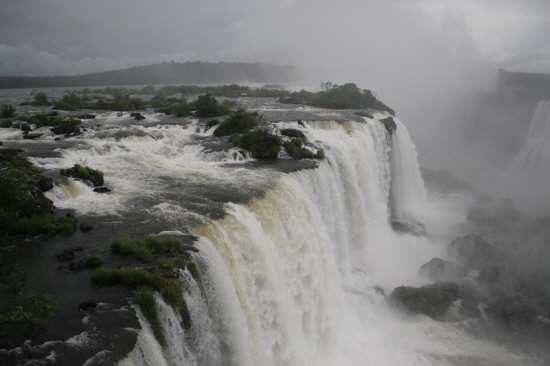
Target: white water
[(527, 176), (289, 279)]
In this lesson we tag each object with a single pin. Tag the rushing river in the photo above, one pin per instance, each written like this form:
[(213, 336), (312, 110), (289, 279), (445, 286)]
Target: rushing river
[(296, 257)]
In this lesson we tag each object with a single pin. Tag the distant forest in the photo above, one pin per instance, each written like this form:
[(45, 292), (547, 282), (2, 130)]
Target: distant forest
[(165, 73)]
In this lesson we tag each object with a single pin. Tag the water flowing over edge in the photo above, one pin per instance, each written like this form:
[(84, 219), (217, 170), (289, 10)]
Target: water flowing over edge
[(295, 278)]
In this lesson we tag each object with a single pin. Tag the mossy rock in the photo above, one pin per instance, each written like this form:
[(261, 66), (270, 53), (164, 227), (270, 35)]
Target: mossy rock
[(84, 173), (471, 250), (438, 269), (433, 300), (292, 132), (515, 310), (389, 124)]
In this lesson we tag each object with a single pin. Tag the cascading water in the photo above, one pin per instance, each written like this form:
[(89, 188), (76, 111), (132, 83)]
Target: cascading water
[(296, 277), (527, 176)]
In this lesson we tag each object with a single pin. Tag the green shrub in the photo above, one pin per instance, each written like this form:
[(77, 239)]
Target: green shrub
[(66, 229), (128, 277), (7, 111), (390, 125), (173, 296), (84, 173), (63, 105), (123, 245), (41, 98), (148, 306), (193, 269), (66, 126), (29, 313), (35, 224), (263, 144), (181, 110), (320, 154), (161, 246), (7, 123), (143, 254), (136, 103), (213, 122), (94, 260), (207, 106), (238, 122)]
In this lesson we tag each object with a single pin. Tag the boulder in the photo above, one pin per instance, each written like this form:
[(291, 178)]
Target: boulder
[(86, 116), (433, 300), (69, 253), (190, 248), (78, 265), (438, 269), (102, 190), (137, 116), (32, 136), (86, 227), (43, 203), (45, 183), (88, 305), (52, 114), (471, 250), (409, 226)]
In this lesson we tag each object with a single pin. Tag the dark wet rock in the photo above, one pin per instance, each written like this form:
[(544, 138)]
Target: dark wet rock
[(1, 143), (137, 116), (471, 250), (78, 265), (45, 183), (32, 136), (87, 116), (86, 227), (168, 273), (102, 190), (57, 139), (292, 132), (190, 248), (409, 226), (120, 114), (69, 253), (433, 300), (43, 203), (88, 305), (23, 126), (438, 269), (52, 114)]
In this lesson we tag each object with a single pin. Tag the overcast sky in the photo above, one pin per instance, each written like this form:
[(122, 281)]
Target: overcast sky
[(47, 37)]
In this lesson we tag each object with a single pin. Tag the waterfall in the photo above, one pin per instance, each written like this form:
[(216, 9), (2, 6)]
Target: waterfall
[(289, 278), (408, 191), (297, 277), (527, 177)]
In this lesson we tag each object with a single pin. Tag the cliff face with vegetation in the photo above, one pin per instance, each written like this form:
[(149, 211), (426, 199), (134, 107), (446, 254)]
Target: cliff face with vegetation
[(164, 73)]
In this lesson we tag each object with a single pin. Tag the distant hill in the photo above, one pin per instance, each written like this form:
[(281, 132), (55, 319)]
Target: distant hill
[(165, 73)]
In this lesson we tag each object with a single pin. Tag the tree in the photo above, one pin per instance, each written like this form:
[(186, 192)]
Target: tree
[(8, 111), (206, 106)]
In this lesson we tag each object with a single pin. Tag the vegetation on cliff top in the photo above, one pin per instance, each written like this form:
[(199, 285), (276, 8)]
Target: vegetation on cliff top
[(347, 96)]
